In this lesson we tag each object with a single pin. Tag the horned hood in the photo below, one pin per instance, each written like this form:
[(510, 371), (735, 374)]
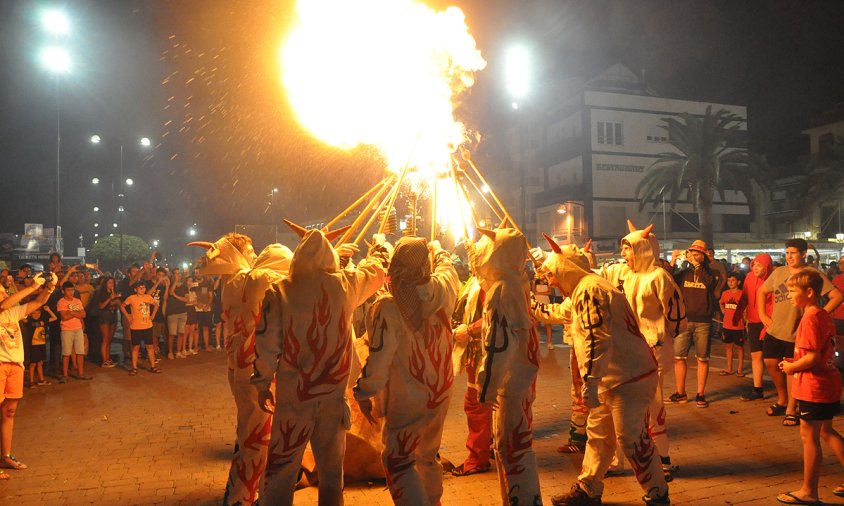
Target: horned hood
[(275, 257), (501, 257), (568, 266), (764, 259), (223, 258), (314, 254), (645, 249)]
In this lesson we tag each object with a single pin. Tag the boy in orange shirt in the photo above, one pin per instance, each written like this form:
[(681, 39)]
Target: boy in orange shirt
[(140, 323), (816, 384), (732, 306)]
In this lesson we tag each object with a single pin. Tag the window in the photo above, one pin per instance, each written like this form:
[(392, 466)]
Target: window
[(610, 133)]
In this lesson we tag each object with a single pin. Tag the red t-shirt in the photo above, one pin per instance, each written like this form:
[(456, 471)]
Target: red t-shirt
[(838, 282), (730, 303), (821, 383)]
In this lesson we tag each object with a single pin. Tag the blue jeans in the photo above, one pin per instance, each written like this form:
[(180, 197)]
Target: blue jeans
[(697, 332)]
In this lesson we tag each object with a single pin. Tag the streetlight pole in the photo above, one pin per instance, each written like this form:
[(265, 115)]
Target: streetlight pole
[(120, 206), (518, 78)]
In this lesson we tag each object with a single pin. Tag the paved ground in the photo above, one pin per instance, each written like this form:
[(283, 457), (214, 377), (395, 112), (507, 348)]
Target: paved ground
[(166, 439)]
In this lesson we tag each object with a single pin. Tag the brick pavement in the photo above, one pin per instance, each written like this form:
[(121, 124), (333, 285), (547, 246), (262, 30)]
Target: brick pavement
[(166, 439)]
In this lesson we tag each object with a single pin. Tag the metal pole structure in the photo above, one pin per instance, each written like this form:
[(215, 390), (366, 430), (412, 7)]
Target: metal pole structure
[(358, 201), (120, 206), (57, 237)]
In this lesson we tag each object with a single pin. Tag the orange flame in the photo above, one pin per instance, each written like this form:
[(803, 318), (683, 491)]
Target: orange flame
[(381, 73)]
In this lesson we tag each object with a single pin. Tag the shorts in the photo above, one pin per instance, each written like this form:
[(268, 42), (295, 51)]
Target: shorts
[(142, 335), (754, 330), (106, 317), (777, 348), (176, 323), (39, 353), (203, 318), (73, 341), (191, 316), (11, 381), (839, 327), (818, 410), (733, 336), (697, 332)]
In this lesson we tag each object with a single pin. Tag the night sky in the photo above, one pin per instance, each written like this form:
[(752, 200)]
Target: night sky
[(201, 79)]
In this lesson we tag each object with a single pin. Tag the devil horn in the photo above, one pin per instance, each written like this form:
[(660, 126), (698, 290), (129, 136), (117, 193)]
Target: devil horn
[(336, 233), (588, 247), (487, 232), (551, 242), (201, 244), (647, 231), (300, 231), (630, 226)]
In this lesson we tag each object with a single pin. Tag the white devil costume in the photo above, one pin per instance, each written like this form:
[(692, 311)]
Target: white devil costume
[(618, 370), (308, 348), (658, 305), (409, 368), (468, 355), (510, 361), (243, 291)]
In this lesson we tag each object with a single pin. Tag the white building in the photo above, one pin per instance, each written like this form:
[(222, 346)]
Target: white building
[(583, 152)]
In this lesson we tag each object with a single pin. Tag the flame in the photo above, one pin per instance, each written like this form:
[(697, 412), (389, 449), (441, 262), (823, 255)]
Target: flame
[(383, 73), (451, 212)]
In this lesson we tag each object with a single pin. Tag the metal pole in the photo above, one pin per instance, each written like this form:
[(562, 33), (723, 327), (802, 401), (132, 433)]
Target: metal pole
[(58, 165), (120, 205)]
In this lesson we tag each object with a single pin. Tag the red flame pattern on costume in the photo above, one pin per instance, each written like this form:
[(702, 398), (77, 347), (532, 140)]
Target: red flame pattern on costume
[(429, 347), (330, 363), (643, 453), (288, 446), (259, 436), (251, 481), (398, 462), (519, 441)]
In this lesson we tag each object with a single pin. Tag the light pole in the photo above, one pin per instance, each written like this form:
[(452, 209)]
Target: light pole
[(517, 77), (143, 142), (56, 60)]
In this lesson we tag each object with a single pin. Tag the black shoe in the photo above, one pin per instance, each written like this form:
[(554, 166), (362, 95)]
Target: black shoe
[(752, 396), (576, 497), (662, 500)]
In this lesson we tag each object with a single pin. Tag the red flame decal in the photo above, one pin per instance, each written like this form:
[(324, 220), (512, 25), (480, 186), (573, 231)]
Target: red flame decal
[(400, 460)]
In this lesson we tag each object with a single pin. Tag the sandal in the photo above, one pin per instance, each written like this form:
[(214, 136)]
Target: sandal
[(461, 471), (839, 491), (4, 475), (791, 421), (776, 409), (10, 462), (790, 498), (156, 370), (133, 372), (741, 374), (725, 373), (44, 382)]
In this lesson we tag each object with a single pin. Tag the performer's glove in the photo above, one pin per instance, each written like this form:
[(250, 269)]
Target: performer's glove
[(590, 392)]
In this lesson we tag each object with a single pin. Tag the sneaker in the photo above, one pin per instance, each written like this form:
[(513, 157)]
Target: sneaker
[(576, 497), (62, 379), (194, 352), (83, 377), (752, 396), (662, 500), (180, 355), (678, 398), (170, 356), (218, 348), (157, 359), (668, 471), (701, 401), (109, 363)]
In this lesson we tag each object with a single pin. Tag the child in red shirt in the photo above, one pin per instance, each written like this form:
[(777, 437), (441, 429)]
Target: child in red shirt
[(816, 384), (732, 305)]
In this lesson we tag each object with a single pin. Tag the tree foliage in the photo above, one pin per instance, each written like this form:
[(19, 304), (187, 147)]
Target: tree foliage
[(824, 181), (707, 160), (107, 250)]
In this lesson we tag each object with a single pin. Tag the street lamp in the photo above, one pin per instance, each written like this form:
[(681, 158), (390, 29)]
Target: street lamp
[(517, 79), (143, 141), (56, 61)]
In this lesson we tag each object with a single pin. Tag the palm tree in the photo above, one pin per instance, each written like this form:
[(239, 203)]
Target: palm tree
[(707, 160)]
